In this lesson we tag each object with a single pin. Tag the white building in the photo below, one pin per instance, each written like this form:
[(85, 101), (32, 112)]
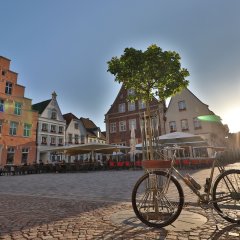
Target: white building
[(75, 134), (50, 131), (183, 114)]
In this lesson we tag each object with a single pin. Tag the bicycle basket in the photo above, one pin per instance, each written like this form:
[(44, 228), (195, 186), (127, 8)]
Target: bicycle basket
[(155, 164)]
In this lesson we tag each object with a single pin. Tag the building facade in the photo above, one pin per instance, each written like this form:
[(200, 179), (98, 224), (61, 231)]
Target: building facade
[(51, 130), (18, 122), (182, 116), (123, 116), (92, 133)]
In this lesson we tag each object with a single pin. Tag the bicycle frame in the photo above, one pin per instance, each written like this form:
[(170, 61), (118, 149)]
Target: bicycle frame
[(205, 197), (156, 206)]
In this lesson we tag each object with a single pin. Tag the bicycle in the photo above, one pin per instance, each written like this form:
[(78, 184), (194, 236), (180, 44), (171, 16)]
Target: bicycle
[(158, 197)]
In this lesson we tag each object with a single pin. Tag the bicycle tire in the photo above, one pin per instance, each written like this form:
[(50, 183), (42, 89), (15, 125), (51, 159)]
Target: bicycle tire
[(167, 210), (226, 195)]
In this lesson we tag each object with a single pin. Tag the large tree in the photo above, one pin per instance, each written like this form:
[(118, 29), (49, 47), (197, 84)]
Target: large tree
[(150, 73)]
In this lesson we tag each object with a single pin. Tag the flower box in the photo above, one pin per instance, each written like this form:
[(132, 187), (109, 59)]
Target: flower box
[(156, 164)]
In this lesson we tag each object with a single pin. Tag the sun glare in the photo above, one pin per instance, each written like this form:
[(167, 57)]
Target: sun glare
[(232, 119)]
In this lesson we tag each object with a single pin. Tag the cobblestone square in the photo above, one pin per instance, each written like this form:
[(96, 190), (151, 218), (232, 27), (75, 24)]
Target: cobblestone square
[(83, 206)]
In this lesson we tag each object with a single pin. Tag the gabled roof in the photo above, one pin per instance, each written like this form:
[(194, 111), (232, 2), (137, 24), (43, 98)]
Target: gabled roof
[(123, 90), (88, 124), (69, 117), (186, 89), (91, 128), (41, 106)]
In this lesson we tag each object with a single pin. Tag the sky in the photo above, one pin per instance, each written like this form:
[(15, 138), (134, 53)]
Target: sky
[(64, 46)]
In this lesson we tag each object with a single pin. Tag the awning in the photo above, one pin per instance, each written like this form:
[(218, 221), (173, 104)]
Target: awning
[(87, 148)]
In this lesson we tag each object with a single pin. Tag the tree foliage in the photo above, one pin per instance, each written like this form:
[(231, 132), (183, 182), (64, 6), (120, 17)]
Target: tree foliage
[(152, 73)]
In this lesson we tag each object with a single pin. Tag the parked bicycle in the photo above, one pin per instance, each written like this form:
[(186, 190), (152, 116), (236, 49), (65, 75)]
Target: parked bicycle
[(158, 197)]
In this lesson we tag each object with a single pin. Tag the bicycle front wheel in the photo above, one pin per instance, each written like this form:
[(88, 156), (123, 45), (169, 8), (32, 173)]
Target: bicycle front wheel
[(226, 195), (156, 201)]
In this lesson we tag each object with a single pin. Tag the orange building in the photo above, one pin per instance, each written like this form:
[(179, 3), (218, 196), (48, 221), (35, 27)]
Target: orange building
[(18, 122)]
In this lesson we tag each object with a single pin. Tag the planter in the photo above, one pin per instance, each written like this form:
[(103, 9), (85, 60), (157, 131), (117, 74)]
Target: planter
[(156, 164)]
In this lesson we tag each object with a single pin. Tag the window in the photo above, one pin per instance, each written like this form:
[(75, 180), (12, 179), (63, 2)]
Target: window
[(76, 125), (44, 140), (122, 126), (53, 141), (113, 127), (131, 106), (141, 104), (69, 138), (60, 141), (197, 123), (18, 108), (10, 155), (54, 114), (131, 92), (60, 129), (13, 129), (99, 134), (53, 128), (1, 122), (184, 124), (25, 155), (132, 124), (8, 88), (121, 107), (76, 137), (3, 73), (181, 105), (1, 105), (172, 126), (27, 130), (82, 139), (44, 127)]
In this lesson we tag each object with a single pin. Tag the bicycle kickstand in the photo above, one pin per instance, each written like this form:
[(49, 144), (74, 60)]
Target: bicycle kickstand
[(212, 215), (214, 218)]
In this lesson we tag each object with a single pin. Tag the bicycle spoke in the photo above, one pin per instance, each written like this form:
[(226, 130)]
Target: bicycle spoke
[(226, 195), (152, 204)]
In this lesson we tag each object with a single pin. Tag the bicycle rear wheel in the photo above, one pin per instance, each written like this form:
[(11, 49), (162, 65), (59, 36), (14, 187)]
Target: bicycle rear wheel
[(226, 195), (155, 205)]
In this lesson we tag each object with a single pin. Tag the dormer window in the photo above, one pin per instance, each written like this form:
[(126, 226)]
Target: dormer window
[(54, 114), (8, 88)]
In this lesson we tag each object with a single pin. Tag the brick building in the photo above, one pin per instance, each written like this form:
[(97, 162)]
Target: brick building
[(17, 120), (124, 115)]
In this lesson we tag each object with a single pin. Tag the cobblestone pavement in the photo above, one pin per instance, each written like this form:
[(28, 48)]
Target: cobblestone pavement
[(81, 206)]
